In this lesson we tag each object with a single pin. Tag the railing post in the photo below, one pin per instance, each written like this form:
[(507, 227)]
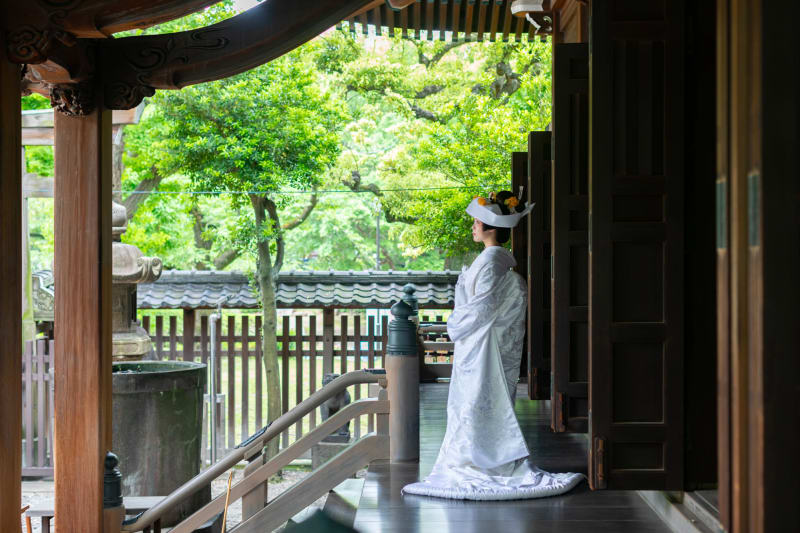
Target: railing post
[(212, 385), (113, 509), (410, 298), (402, 372), (256, 498)]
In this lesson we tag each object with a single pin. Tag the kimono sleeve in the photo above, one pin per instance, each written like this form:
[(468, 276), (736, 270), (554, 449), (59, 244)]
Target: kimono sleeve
[(480, 309)]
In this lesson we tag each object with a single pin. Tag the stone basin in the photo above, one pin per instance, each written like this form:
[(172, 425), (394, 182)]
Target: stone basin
[(157, 426)]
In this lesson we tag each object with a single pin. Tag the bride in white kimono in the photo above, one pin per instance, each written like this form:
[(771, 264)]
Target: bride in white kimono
[(484, 455)]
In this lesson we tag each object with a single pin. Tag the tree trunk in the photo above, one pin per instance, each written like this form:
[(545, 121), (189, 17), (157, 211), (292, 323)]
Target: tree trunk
[(270, 344)]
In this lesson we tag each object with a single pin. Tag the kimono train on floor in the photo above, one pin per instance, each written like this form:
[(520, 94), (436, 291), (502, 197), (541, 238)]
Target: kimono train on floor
[(484, 455)]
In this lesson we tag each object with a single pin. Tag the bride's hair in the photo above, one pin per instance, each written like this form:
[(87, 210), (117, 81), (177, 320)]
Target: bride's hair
[(503, 234)]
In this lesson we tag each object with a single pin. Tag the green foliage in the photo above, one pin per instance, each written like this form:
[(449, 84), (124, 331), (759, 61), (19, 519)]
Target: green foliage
[(38, 159), (340, 235), (210, 15), (470, 142), (35, 101), (40, 231), (334, 108), (269, 129), (336, 51)]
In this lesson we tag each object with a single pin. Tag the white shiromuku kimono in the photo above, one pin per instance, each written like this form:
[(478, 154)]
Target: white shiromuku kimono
[(484, 455)]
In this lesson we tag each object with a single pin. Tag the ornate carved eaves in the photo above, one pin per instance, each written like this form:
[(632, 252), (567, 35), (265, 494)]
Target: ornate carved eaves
[(75, 99), (38, 22), (134, 67)]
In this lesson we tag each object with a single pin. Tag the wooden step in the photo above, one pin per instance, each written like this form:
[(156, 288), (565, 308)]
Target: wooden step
[(672, 508), (703, 505), (341, 503)]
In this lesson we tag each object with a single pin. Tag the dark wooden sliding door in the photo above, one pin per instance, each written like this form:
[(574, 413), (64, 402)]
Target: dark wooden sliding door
[(519, 243), (538, 225), (570, 233), (636, 244)]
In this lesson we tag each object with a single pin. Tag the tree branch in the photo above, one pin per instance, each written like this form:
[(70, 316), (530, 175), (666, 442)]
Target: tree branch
[(198, 228), (428, 90), (142, 191), (387, 258), (430, 61), (441, 53), (424, 113), (355, 185), (225, 258), (304, 215), (272, 211)]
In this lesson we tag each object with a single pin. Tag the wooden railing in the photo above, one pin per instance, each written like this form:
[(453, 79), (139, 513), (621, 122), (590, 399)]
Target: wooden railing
[(37, 408), (305, 353), (252, 488), (240, 378)]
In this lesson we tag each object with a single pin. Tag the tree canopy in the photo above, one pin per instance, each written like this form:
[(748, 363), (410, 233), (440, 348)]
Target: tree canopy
[(408, 129)]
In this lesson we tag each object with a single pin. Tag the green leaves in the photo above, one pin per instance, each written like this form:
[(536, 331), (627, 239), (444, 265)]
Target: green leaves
[(269, 129), (397, 113)]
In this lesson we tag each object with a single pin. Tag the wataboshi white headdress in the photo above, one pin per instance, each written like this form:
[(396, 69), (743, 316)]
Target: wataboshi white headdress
[(488, 211)]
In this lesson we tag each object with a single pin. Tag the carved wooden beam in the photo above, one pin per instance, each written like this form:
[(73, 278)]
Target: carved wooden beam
[(34, 25), (133, 67)]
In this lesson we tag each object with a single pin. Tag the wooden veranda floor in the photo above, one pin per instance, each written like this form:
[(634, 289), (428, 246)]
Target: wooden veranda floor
[(383, 509)]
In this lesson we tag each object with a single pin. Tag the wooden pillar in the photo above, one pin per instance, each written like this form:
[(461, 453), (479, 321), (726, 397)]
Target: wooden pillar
[(538, 191), (327, 340), (10, 294), (699, 317), (188, 334), (776, 439), (82, 317), (569, 282), (520, 240), (636, 245), (759, 164)]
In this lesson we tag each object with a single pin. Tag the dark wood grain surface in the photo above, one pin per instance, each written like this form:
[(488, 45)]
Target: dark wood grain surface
[(82, 317), (383, 509), (569, 282), (10, 292)]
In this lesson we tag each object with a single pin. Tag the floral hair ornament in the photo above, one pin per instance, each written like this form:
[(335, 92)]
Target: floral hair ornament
[(491, 214)]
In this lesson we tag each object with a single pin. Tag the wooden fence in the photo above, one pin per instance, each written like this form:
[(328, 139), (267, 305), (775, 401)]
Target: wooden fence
[(37, 408), (306, 352), (307, 348)]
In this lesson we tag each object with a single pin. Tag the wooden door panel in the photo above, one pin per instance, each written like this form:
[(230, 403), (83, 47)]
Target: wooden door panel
[(538, 223), (570, 280), (636, 245), (519, 244)]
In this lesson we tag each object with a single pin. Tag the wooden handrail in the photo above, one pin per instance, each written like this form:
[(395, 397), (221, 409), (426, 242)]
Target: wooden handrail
[(325, 478), (254, 444), (433, 328), (274, 465)]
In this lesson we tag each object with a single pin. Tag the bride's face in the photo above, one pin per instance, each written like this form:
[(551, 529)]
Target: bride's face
[(478, 234)]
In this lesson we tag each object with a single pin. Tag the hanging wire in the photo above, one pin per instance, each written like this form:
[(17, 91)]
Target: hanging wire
[(324, 191)]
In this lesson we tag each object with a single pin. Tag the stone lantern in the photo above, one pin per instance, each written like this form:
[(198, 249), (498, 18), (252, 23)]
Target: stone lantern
[(130, 342)]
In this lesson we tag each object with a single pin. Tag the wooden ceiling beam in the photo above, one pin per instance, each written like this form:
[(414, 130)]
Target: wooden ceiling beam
[(133, 67), (34, 27)]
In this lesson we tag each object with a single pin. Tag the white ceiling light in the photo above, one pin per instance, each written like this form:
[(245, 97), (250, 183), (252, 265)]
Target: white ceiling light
[(521, 8)]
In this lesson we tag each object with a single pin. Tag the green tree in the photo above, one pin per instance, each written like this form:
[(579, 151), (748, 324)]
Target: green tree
[(451, 115), (253, 135)]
